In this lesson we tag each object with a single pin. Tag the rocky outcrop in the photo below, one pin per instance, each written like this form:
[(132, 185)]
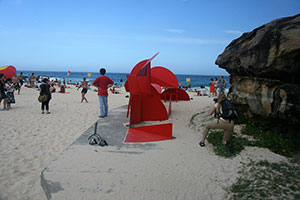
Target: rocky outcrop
[(264, 66)]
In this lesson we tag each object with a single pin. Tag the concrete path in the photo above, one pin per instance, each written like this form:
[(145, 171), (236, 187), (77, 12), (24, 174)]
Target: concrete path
[(83, 171), (170, 169)]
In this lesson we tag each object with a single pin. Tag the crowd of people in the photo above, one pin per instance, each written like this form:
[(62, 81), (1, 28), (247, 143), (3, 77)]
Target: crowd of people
[(10, 86), (7, 88), (46, 87), (216, 87)]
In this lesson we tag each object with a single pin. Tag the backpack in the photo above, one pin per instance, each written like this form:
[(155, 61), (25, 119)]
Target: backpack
[(228, 111)]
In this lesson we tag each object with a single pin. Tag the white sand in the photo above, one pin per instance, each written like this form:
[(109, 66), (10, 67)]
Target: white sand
[(29, 141)]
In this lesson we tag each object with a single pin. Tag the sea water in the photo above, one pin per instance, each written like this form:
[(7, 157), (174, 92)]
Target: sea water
[(76, 77)]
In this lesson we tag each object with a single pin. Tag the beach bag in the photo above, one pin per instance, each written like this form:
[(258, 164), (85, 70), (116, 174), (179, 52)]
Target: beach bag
[(228, 111), (96, 138), (43, 98)]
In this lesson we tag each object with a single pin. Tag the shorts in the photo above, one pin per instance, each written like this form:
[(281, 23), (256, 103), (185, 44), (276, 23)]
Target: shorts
[(10, 98), (221, 90), (84, 90), (3, 95)]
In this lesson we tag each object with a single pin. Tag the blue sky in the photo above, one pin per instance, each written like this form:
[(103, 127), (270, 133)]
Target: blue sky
[(83, 35)]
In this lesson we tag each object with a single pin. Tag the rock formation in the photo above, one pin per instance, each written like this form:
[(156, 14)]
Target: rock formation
[(264, 68)]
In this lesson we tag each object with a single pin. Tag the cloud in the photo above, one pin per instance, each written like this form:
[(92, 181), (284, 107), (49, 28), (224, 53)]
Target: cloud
[(236, 32), (195, 41), (179, 31), (88, 37)]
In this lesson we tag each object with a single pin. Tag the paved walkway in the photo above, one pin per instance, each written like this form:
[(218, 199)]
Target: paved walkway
[(78, 172)]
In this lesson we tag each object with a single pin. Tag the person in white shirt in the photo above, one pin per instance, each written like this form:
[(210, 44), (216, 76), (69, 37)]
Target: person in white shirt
[(203, 91)]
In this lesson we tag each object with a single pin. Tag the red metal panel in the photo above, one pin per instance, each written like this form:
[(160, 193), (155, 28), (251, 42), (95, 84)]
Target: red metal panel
[(136, 109), (170, 103), (139, 66), (152, 107), (163, 77), (157, 87), (129, 106), (146, 107), (149, 133), (142, 64), (138, 84), (176, 93)]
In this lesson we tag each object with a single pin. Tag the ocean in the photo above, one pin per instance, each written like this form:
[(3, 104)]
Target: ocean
[(195, 80)]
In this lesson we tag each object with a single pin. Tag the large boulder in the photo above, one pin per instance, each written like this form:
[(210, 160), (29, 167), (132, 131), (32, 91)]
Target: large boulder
[(264, 67)]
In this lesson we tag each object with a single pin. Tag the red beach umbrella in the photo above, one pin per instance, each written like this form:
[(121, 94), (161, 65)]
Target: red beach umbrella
[(8, 71)]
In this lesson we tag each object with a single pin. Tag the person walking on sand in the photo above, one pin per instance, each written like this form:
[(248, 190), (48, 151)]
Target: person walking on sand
[(222, 85), (216, 85), (10, 93), (21, 81), (84, 85), (32, 80), (16, 83), (211, 88), (2, 92), (220, 123), (45, 90), (103, 83)]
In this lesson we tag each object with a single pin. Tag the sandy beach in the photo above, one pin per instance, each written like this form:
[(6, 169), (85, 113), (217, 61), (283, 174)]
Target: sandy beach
[(30, 141)]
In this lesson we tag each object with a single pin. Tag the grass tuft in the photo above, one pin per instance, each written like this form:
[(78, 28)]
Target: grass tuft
[(264, 180), (215, 138), (277, 143)]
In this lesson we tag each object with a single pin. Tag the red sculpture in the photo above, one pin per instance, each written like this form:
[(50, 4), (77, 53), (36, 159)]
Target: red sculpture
[(150, 133), (163, 77), (145, 87)]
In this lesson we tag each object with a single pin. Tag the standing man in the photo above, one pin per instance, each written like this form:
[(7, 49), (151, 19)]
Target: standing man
[(16, 83), (84, 85), (21, 81), (102, 83), (222, 85), (32, 80), (2, 92)]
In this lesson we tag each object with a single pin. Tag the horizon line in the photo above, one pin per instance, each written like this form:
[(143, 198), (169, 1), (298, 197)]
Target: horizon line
[(118, 72)]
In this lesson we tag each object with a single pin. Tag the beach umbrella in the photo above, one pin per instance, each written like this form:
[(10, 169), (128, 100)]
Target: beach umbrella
[(8, 71), (89, 74)]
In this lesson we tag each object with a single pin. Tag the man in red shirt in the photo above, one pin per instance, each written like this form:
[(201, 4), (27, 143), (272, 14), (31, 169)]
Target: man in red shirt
[(102, 83)]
